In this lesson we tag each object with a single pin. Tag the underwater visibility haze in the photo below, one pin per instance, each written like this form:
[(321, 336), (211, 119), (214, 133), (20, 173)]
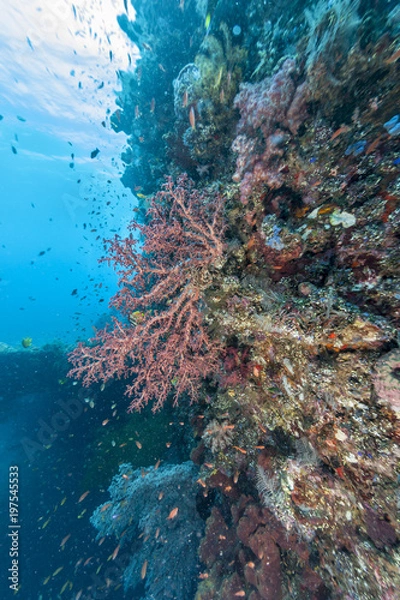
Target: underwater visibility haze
[(200, 299)]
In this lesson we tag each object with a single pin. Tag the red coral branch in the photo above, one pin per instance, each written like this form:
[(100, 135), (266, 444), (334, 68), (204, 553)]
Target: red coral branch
[(162, 341)]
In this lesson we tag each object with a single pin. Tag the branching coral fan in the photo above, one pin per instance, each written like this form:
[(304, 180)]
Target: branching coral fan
[(162, 341)]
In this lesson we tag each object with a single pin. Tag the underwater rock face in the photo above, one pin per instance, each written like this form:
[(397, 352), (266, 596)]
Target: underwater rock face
[(387, 380), (155, 517), (303, 303)]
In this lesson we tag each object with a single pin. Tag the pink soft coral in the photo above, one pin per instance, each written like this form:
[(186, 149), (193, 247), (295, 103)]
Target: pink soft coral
[(162, 343)]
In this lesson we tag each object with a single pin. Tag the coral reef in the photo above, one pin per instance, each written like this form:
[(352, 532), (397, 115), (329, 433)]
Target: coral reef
[(271, 113), (269, 293), (155, 517)]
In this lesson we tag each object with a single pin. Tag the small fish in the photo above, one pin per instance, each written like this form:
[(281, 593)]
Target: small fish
[(14, 150), (152, 105), (87, 561), (157, 464), (144, 570), (57, 571), (240, 594), (65, 540), (63, 501), (94, 153), (30, 44), (26, 342), (219, 77), (105, 422), (393, 58), (173, 513), (83, 496), (192, 118), (138, 444), (242, 450), (185, 99), (64, 587), (342, 129), (115, 553)]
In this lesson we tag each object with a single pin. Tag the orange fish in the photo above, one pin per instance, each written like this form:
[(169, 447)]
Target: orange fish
[(173, 513), (83, 496), (393, 58), (115, 553), (144, 569), (105, 422), (157, 464), (342, 129), (242, 450), (240, 594), (103, 508), (138, 444), (192, 118), (373, 145)]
